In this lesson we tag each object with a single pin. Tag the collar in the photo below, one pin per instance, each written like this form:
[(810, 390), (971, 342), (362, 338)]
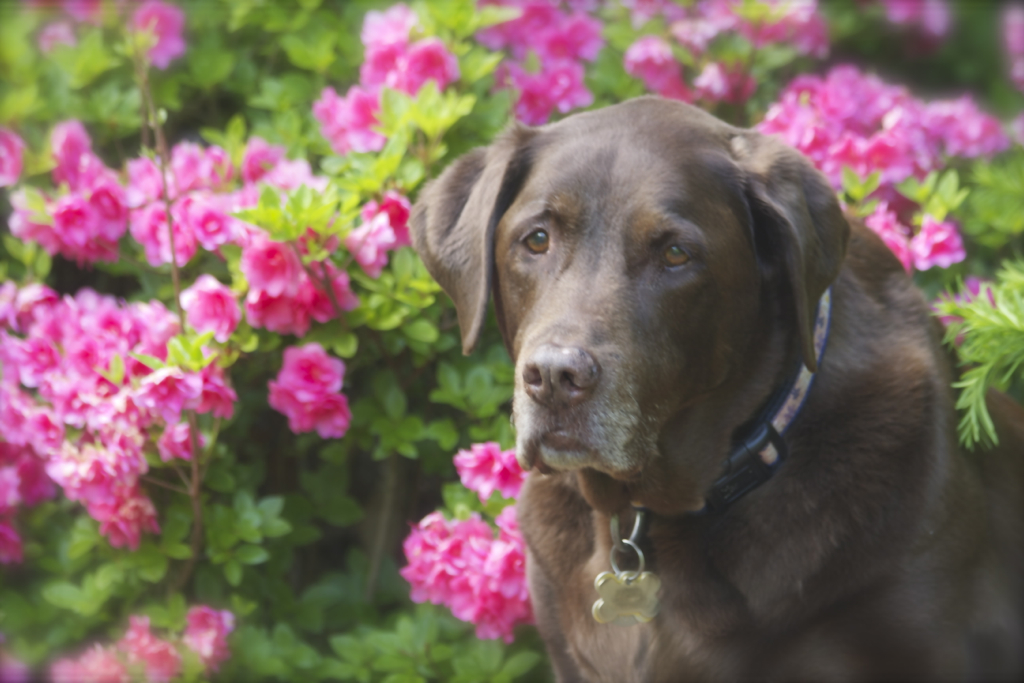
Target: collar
[(761, 448)]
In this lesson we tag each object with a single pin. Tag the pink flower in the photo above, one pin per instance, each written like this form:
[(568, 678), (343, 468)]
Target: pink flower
[(271, 267), (716, 84), (695, 34), (260, 157), (57, 33), (651, 60), (10, 496), (166, 23), (380, 63), (10, 544), (206, 634), (96, 665), (85, 10), (887, 226), (211, 307), (370, 243), (485, 468), (108, 202), (124, 519), (145, 182), (27, 225), (965, 129), (33, 485), (13, 670), (390, 27), (186, 165), (211, 226), (74, 220), (1017, 129), (320, 304), (306, 392), (460, 564), (176, 442), (218, 398), (348, 122), (161, 659), (309, 372), (425, 60), (931, 15), (937, 244), (168, 391), (149, 228), (397, 209), (11, 147), (72, 149), (574, 37), (558, 86), (281, 314), (537, 16), (216, 168)]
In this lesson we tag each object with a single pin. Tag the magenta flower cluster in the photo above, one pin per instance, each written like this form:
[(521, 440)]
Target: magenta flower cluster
[(391, 60), (695, 29), (84, 223), (461, 564), (63, 412), (158, 660), (932, 17), (308, 392), (561, 40), (1013, 42), (848, 118)]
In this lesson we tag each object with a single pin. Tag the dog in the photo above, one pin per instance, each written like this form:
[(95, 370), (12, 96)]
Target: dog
[(659, 278)]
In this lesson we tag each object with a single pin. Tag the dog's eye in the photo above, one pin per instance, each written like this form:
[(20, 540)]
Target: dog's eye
[(538, 241), (675, 256)]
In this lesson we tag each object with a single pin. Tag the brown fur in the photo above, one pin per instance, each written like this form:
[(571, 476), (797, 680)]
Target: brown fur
[(879, 551)]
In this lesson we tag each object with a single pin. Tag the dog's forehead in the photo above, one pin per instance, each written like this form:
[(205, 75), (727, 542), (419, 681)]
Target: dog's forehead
[(634, 171)]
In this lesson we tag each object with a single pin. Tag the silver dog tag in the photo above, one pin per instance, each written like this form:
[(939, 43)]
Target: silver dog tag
[(626, 598)]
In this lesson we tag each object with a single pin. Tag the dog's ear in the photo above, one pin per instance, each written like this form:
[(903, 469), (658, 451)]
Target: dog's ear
[(454, 220), (797, 221)]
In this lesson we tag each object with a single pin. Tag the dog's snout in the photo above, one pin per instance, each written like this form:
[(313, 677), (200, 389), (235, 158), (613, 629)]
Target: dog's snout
[(560, 375)]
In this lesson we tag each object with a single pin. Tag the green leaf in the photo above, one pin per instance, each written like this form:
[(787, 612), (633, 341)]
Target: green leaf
[(518, 664), (151, 362), (251, 554), (233, 572), (422, 330)]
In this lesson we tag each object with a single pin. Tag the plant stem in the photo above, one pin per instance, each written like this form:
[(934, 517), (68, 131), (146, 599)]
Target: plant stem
[(380, 541)]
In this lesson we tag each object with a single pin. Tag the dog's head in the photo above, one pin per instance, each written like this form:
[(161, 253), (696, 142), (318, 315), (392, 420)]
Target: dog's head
[(654, 272)]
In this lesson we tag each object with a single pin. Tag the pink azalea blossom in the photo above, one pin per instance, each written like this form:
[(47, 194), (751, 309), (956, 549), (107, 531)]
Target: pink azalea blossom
[(485, 468), (397, 209), (933, 16), (390, 27), (96, 665), (206, 634), (558, 86), (279, 314), (536, 17), (150, 229), (321, 304), (176, 442), (109, 204), (186, 165), (271, 267), (11, 147), (168, 391), (27, 225), (1017, 129), (717, 84), (166, 23), (425, 60), (161, 660), (576, 36), (211, 307), (207, 220), (13, 670), (370, 243), (11, 551), (651, 60), (145, 182), (260, 157), (937, 244), (216, 168), (886, 225), (307, 390), (84, 10), (57, 33), (460, 564), (695, 34), (218, 397), (379, 64), (10, 496), (72, 150)]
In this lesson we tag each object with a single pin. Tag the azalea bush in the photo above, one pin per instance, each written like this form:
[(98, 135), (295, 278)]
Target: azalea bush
[(238, 439)]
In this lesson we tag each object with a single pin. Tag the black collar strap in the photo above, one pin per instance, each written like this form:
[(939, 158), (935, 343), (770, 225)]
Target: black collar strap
[(761, 449)]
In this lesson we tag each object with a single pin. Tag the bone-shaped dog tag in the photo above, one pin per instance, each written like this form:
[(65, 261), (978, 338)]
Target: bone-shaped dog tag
[(626, 598)]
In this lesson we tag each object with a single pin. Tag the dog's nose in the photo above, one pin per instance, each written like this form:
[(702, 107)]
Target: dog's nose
[(560, 375)]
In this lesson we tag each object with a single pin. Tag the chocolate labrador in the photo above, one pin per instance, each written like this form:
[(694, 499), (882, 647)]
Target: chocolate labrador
[(667, 284)]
